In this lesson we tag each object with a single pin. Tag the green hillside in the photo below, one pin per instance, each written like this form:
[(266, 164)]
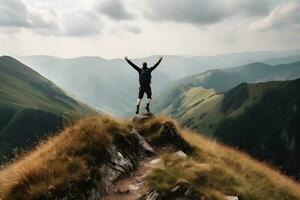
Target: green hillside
[(30, 105), (257, 72), (226, 79), (260, 118)]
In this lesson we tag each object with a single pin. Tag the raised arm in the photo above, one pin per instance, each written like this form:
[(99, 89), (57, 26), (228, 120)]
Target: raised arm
[(132, 64), (156, 64)]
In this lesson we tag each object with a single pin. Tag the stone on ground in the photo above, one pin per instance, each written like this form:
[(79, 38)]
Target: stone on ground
[(142, 117)]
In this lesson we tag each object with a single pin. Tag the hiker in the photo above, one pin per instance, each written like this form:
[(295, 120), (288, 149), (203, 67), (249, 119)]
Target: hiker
[(145, 81)]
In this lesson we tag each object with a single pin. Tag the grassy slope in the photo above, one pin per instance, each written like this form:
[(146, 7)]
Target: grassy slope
[(30, 105), (22, 87), (196, 107), (260, 118), (269, 128), (224, 80), (213, 170), (216, 171), (170, 102)]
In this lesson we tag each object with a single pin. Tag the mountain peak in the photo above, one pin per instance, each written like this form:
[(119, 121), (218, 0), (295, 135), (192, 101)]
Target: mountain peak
[(87, 159), (7, 57)]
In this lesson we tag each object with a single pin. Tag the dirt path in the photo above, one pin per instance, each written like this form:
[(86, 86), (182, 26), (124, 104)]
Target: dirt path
[(134, 186)]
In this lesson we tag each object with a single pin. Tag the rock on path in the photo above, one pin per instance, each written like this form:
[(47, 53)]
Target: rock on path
[(133, 186)]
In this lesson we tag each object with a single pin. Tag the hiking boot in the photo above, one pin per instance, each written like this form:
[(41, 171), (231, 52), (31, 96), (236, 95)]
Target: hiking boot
[(147, 108)]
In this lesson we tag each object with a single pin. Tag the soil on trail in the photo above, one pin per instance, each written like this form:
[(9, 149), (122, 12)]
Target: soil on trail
[(135, 185)]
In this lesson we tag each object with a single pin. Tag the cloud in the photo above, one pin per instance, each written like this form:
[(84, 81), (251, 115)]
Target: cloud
[(77, 18), (13, 13), (80, 23), (133, 29), (253, 7), (204, 12), (115, 10), (16, 14), (191, 11), (286, 14), (42, 18)]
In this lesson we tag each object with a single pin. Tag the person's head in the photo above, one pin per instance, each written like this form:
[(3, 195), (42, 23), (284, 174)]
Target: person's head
[(144, 65)]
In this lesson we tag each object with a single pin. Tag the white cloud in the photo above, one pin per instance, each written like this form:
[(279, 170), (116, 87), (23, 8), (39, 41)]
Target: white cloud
[(43, 18), (286, 14), (205, 12), (76, 23), (111, 27)]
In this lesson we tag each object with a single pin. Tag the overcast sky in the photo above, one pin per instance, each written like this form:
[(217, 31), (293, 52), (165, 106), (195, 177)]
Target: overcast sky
[(137, 28)]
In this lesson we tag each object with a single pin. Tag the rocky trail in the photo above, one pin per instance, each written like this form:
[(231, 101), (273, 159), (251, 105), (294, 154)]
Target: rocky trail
[(134, 158), (133, 186)]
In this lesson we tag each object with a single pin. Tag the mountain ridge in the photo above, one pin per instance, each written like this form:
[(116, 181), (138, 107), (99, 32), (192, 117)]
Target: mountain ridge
[(115, 80), (31, 106), (265, 113), (85, 153), (223, 80)]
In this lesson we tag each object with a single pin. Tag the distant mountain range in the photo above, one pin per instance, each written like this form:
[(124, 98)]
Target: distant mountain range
[(283, 60), (108, 85), (111, 86), (210, 101), (31, 106), (261, 118), (225, 79), (245, 106)]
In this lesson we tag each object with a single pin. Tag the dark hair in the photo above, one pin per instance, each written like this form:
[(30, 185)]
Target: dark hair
[(144, 64)]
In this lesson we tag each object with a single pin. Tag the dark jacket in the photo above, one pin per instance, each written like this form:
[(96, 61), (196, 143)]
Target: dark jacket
[(144, 73)]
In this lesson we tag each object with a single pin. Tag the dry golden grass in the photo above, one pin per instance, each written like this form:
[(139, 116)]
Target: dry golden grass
[(67, 159), (61, 160), (216, 170)]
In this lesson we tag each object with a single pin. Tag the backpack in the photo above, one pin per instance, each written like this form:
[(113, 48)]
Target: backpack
[(145, 76)]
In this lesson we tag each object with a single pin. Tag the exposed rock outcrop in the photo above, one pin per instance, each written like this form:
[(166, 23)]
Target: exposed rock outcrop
[(125, 154), (178, 192), (169, 133), (232, 198), (142, 117), (148, 150), (122, 158)]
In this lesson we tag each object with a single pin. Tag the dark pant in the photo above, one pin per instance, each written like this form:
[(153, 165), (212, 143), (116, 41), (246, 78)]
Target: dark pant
[(145, 89)]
